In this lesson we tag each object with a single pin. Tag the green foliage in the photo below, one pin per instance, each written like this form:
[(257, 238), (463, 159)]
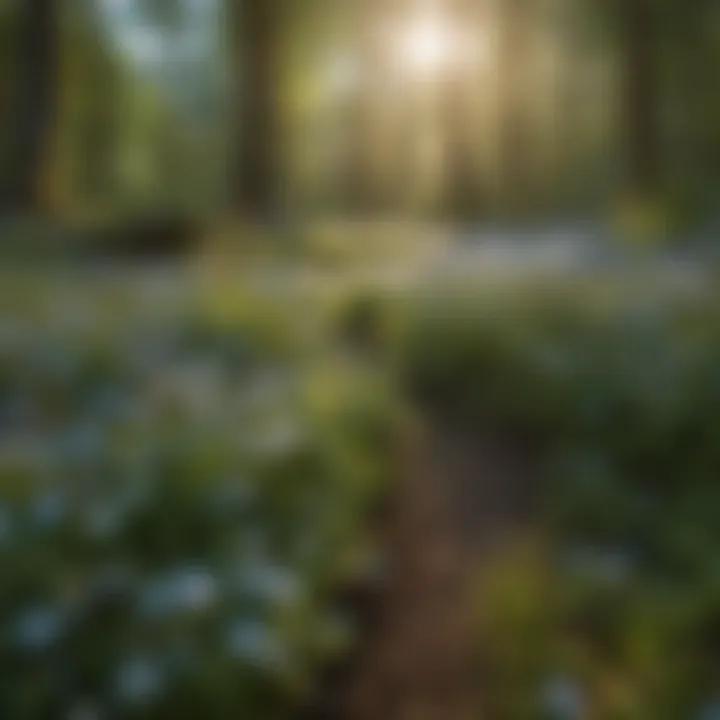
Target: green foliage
[(622, 392), (185, 487)]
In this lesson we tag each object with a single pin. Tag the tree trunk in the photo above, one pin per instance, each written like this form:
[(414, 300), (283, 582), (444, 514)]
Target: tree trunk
[(515, 143), (462, 184), (255, 175), (643, 142), (367, 181), (34, 105), (100, 116)]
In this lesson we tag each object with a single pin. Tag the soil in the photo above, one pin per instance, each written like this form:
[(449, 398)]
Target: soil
[(463, 495)]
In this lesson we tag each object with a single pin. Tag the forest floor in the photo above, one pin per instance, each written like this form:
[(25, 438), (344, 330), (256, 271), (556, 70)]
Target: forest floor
[(463, 496)]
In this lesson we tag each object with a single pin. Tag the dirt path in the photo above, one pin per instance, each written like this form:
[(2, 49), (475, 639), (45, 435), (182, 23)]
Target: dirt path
[(461, 496)]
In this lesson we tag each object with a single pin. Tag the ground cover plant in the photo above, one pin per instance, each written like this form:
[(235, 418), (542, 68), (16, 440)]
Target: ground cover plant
[(186, 478), (608, 607)]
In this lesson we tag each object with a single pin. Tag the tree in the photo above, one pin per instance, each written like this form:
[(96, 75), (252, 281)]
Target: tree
[(463, 191), (101, 80), (254, 27), (515, 33), (639, 47), (363, 182), (690, 50), (33, 106)]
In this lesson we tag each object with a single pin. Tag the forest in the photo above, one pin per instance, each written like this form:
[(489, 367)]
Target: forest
[(359, 359), (470, 110)]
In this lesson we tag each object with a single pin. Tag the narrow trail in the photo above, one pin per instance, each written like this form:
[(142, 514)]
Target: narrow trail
[(462, 495)]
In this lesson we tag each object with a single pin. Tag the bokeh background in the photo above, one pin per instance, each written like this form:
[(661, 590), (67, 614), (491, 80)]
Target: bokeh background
[(462, 109), (359, 359)]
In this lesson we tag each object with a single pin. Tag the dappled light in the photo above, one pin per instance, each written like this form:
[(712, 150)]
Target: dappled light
[(359, 359), (426, 46)]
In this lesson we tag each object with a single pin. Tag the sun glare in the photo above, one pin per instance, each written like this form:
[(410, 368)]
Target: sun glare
[(426, 46)]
